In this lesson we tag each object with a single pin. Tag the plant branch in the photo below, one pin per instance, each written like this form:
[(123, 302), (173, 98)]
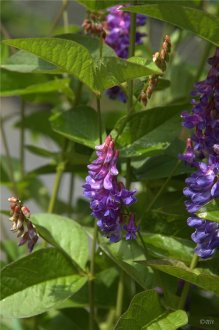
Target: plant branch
[(186, 286), (22, 139), (59, 16), (203, 61), (59, 171), (120, 294), (94, 243), (8, 158), (65, 15), (162, 187)]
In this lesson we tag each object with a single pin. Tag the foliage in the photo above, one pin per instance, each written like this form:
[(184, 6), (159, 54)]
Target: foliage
[(75, 278)]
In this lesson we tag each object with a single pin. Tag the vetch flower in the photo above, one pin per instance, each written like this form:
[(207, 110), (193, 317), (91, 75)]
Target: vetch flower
[(203, 153), (118, 28), (131, 228), (205, 113), (107, 196)]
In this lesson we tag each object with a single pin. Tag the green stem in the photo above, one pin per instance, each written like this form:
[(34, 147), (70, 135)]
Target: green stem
[(143, 244), (130, 109), (101, 47), (94, 243), (120, 294), (162, 187), (59, 16), (59, 171), (132, 37), (65, 15), (99, 119), (71, 191), (186, 287), (203, 61), (72, 178), (8, 158), (22, 139)]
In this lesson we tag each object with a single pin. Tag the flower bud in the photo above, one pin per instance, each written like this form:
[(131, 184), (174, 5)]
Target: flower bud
[(25, 211)]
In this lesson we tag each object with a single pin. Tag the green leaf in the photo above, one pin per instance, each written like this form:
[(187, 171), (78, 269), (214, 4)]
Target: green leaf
[(170, 246), (41, 151), (168, 321), (210, 211), (156, 141), (80, 125), (67, 318), (134, 127), (36, 283), (22, 84), (75, 59), (90, 43), (106, 286), (125, 254), (68, 55), (188, 18), (144, 308), (112, 71), (163, 166), (38, 123), (63, 233), (200, 277), (25, 62)]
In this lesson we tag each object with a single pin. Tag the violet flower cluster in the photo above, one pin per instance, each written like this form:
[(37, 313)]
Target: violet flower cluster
[(118, 28), (202, 152), (108, 197)]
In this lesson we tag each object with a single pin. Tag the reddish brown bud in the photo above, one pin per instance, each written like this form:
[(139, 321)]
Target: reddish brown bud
[(156, 57), (20, 231), (12, 199), (143, 98), (20, 222), (25, 211)]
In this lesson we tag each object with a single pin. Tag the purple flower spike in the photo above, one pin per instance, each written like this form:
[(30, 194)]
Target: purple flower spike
[(107, 195), (131, 228), (118, 27), (203, 185)]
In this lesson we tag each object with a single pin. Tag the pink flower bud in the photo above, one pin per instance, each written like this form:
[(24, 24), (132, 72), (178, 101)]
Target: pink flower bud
[(25, 211)]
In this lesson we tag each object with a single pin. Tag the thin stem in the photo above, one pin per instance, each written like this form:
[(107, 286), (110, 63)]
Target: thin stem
[(132, 38), (203, 61), (22, 139), (143, 244), (59, 16), (91, 282), (186, 287), (59, 172), (162, 187), (120, 294), (8, 158), (94, 243), (61, 166), (99, 119), (65, 15), (7, 35), (101, 47), (130, 108), (71, 192), (72, 176)]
